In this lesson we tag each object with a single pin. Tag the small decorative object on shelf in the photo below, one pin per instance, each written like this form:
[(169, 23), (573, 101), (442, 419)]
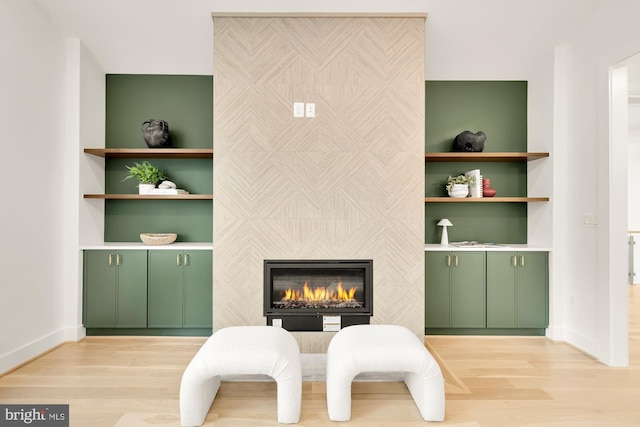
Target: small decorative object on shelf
[(469, 141), (168, 187), (156, 133), (146, 174), (475, 189), (444, 223), (487, 191), (155, 239), (458, 186)]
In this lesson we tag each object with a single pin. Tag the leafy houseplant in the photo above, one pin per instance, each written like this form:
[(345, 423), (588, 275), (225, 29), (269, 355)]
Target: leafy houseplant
[(145, 173)]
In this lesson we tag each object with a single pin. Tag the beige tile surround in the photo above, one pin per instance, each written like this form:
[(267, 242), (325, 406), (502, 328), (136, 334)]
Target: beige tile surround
[(348, 183)]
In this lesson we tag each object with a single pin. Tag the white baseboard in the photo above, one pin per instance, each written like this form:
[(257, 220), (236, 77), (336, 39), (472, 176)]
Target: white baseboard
[(22, 355), (555, 334), (583, 343), (74, 334)]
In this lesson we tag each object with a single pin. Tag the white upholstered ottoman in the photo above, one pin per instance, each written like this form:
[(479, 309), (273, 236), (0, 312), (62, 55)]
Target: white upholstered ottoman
[(382, 348), (243, 350)]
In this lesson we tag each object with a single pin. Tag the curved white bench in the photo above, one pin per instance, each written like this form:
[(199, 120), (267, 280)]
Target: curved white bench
[(243, 350), (382, 348)]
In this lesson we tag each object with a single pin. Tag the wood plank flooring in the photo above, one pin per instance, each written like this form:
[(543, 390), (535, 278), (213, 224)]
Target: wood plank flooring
[(490, 382)]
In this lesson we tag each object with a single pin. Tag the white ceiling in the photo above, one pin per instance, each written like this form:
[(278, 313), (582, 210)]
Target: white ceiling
[(176, 36)]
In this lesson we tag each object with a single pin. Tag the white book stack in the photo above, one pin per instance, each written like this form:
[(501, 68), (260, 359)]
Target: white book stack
[(169, 191), (475, 190)]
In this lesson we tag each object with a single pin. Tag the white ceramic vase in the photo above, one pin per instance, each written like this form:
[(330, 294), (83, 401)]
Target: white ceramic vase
[(145, 188), (459, 190)]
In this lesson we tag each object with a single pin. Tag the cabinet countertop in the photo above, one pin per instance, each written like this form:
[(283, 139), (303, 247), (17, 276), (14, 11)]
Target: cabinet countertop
[(435, 247), (178, 246)]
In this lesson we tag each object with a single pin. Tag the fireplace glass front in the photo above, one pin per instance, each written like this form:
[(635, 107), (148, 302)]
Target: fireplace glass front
[(297, 291)]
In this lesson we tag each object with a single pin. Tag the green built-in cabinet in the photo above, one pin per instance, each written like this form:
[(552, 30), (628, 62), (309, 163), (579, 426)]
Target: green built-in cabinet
[(455, 290), (517, 290), (154, 292), (482, 292), (180, 289), (134, 292), (115, 289), (486, 292)]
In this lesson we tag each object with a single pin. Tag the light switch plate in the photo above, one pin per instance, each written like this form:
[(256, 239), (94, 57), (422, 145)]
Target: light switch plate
[(298, 109), (311, 109)]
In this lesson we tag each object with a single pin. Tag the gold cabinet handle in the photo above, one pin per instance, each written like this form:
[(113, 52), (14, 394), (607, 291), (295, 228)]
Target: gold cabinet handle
[(522, 261), (186, 259), (178, 261), (118, 259), (110, 260), (448, 261), (455, 260), (514, 261)]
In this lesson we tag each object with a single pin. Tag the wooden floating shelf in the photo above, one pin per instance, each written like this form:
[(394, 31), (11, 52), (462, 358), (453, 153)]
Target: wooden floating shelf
[(485, 199), (140, 153), (483, 157), (149, 196)]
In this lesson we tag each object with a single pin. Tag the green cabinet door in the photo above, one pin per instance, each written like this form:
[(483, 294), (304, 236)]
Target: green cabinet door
[(438, 290), (532, 301), (468, 290), (180, 289), (198, 289), (501, 290), (517, 290), (131, 306), (115, 289), (455, 289), (166, 273), (99, 289)]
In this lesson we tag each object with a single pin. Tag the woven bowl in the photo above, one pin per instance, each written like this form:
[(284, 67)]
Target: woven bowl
[(158, 238)]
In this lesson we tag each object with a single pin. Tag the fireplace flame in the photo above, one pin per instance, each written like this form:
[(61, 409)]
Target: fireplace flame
[(319, 293)]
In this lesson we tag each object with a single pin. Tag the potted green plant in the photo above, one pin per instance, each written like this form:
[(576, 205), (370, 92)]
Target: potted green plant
[(146, 174), (458, 186)]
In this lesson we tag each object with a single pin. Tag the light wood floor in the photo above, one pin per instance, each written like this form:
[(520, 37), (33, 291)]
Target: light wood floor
[(490, 382)]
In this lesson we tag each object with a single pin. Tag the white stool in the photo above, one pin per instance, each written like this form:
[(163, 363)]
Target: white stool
[(382, 348), (243, 350)]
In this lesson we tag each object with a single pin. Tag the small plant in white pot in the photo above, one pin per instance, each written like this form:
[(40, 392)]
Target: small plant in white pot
[(146, 174), (458, 186)]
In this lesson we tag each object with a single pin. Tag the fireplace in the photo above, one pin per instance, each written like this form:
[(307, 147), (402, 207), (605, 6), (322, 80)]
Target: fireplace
[(318, 295)]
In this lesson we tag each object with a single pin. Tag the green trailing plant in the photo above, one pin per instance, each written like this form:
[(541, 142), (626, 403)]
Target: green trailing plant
[(460, 179), (145, 173)]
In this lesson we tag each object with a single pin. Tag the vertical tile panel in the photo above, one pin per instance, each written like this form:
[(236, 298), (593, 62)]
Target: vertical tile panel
[(348, 183)]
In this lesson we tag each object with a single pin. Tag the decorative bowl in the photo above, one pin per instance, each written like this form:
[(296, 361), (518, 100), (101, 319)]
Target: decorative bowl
[(158, 238)]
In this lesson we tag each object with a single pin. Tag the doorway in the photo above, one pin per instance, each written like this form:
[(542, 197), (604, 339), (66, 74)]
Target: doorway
[(633, 146), (615, 211)]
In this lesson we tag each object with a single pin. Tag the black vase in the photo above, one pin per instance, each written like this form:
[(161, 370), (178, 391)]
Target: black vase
[(156, 133)]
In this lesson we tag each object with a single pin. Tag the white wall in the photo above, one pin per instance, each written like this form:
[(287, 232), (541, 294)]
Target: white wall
[(32, 170), (84, 219), (592, 271)]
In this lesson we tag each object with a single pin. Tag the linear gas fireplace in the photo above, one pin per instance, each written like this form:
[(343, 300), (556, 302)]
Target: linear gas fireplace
[(318, 295)]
